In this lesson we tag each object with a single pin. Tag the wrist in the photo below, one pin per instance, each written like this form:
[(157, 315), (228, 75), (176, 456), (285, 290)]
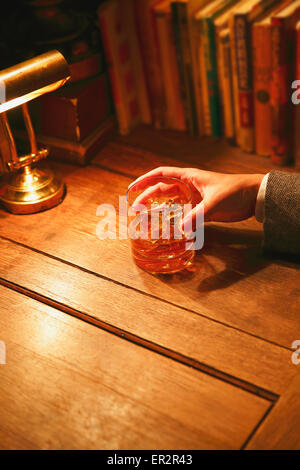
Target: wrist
[(253, 184)]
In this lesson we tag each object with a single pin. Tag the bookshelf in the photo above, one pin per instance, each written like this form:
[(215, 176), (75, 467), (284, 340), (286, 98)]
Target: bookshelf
[(146, 147), (218, 63)]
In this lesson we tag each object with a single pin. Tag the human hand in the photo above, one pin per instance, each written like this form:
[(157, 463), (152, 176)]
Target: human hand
[(222, 197)]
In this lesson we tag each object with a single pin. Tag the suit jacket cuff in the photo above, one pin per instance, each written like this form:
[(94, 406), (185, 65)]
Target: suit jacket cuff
[(282, 213), (260, 200)]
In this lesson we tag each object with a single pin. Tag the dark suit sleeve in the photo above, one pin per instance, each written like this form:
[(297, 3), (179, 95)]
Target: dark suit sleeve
[(282, 213)]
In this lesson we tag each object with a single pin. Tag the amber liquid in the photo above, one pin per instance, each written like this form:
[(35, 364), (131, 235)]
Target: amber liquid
[(161, 255)]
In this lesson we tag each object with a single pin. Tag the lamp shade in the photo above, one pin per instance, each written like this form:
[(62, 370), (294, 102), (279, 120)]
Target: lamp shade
[(32, 78)]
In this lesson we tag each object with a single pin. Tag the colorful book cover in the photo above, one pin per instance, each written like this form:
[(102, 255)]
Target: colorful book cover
[(206, 19), (283, 38), (129, 20), (262, 78), (169, 67), (144, 17), (120, 67), (226, 87), (180, 26), (201, 65), (204, 90), (224, 68), (195, 39), (242, 30), (262, 75), (244, 74), (187, 55), (239, 24)]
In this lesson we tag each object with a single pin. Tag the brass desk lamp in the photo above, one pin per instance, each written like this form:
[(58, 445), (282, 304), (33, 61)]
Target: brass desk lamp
[(29, 189)]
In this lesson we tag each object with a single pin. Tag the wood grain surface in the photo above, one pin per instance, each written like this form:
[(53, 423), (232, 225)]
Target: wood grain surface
[(70, 385), (280, 431), (101, 354), (232, 282), (246, 360)]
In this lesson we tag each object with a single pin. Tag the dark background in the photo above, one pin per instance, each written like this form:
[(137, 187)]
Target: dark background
[(22, 31)]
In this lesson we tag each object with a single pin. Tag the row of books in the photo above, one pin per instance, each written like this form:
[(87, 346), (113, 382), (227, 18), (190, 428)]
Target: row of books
[(221, 67)]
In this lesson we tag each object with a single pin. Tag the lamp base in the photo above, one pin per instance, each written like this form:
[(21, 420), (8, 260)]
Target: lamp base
[(31, 190)]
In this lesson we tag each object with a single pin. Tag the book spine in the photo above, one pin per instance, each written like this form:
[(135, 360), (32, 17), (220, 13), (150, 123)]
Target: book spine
[(106, 19), (180, 121), (262, 72), (206, 117), (140, 79), (180, 23), (195, 42), (210, 58), (280, 98), (244, 75), (225, 74), (236, 109), (146, 35), (174, 107)]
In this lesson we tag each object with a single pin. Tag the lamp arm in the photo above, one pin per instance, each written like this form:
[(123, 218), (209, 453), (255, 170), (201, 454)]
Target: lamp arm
[(22, 162), (12, 144), (29, 128)]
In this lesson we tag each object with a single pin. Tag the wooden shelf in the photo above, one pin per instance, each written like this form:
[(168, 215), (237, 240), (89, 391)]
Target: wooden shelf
[(172, 148)]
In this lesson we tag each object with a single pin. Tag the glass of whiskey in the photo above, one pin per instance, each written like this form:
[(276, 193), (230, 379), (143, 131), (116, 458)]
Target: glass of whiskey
[(156, 207)]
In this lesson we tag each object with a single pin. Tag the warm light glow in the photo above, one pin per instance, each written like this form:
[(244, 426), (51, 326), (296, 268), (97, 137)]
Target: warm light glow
[(30, 96)]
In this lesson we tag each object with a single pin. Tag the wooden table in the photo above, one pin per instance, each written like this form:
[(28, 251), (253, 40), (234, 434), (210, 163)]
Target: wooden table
[(101, 355)]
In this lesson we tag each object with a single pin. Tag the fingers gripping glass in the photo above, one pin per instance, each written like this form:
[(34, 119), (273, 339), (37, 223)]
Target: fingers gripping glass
[(157, 206)]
